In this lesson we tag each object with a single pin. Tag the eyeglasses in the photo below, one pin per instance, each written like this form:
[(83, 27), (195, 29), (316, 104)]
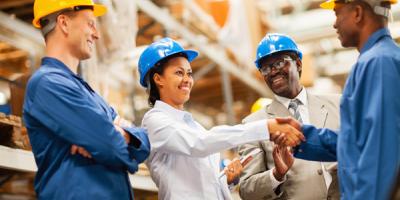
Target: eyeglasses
[(277, 65)]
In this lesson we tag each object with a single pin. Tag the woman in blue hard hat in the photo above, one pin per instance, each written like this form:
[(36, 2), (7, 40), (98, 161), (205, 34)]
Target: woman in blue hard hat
[(184, 160)]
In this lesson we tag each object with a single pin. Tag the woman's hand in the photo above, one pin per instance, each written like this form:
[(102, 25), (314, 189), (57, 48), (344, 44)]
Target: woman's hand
[(233, 171)]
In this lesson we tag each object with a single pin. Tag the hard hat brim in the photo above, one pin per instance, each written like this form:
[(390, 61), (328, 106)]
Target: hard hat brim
[(191, 55), (330, 5), (35, 23), (98, 10)]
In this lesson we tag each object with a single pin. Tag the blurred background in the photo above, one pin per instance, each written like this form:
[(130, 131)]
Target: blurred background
[(227, 84)]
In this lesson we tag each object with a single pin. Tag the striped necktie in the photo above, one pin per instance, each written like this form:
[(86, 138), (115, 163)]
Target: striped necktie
[(293, 109)]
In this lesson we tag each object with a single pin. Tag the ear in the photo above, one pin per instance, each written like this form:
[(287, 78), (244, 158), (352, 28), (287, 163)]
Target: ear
[(358, 13), (62, 22), (299, 65), (158, 80)]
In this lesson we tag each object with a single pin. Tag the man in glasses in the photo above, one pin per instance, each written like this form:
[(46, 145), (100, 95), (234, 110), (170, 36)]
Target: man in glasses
[(82, 148), (273, 174)]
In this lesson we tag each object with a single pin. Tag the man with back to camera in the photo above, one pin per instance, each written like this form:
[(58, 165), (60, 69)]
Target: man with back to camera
[(368, 146)]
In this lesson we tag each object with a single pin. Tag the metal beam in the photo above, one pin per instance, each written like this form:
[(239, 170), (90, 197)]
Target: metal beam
[(203, 71), (14, 3), (215, 52), (228, 96)]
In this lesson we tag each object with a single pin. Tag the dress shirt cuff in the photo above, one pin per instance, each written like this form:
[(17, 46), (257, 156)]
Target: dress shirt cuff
[(224, 180), (259, 128), (275, 183), (232, 187)]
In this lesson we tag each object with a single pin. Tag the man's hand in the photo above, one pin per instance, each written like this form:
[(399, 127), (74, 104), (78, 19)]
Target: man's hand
[(233, 171), (120, 122), (283, 160), (80, 150), (123, 133), (288, 120), (288, 134)]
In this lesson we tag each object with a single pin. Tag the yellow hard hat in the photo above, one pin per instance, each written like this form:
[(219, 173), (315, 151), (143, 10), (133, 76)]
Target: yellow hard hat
[(330, 4), (42, 8), (259, 104)]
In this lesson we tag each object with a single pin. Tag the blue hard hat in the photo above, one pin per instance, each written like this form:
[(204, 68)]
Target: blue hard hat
[(274, 43), (158, 51)]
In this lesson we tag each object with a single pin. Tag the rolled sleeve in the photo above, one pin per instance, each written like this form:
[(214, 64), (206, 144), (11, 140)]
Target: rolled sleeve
[(139, 147)]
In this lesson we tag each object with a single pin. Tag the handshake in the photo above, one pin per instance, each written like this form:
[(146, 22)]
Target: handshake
[(285, 131)]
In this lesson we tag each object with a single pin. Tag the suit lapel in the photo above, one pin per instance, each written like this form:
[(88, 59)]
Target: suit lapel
[(276, 109), (318, 111), (318, 117), (316, 108)]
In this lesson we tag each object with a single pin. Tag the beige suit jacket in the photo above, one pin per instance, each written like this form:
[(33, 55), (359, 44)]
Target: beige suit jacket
[(305, 180)]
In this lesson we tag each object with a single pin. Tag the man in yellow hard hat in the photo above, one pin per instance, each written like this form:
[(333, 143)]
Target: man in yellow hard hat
[(82, 148), (367, 147)]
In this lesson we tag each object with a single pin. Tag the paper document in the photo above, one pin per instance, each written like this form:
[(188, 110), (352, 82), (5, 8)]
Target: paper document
[(244, 160)]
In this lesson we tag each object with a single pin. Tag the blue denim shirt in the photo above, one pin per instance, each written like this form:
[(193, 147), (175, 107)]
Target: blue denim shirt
[(368, 142), (60, 110)]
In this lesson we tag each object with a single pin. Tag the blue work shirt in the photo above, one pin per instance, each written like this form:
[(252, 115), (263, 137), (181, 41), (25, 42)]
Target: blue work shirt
[(368, 142), (60, 110)]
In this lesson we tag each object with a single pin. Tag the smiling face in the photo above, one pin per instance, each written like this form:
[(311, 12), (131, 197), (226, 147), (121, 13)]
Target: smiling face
[(82, 33), (176, 82), (285, 81), (346, 24)]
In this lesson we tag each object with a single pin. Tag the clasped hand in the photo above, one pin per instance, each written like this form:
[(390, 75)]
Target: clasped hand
[(285, 131)]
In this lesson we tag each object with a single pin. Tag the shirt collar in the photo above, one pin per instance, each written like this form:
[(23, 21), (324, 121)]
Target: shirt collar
[(374, 38), (302, 97), (53, 62), (176, 113)]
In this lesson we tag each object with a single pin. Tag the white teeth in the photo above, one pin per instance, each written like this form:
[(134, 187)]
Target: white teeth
[(186, 88)]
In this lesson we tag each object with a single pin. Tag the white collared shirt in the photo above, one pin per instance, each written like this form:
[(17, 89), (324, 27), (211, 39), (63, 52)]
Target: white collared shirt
[(305, 116), (303, 107), (184, 158)]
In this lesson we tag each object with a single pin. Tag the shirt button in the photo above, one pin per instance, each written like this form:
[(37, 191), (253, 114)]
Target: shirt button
[(301, 150), (319, 171)]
